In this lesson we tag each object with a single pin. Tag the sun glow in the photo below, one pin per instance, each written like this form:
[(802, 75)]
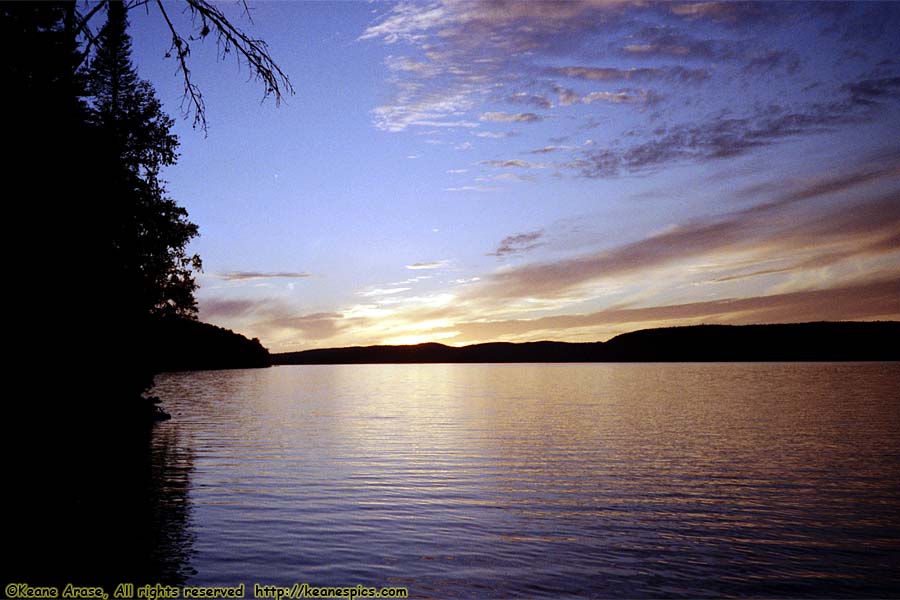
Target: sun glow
[(423, 338)]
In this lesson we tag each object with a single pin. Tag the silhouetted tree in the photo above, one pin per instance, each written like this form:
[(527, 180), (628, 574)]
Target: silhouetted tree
[(149, 232), (94, 251), (102, 245), (47, 159), (206, 20)]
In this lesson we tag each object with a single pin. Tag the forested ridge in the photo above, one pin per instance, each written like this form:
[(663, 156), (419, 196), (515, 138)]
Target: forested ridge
[(837, 341)]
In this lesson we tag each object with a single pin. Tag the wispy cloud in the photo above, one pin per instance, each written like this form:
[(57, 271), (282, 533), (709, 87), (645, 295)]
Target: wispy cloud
[(622, 97), (471, 188), (411, 108), (773, 59), (382, 291), (506, 177), (668, 42), (514, 162), (406, 22), (408, 65), (290, 330), (518, 243), (861, 301), (437, 264), (549, 149), (567, 97), (682, 74), (735, 13), (214, 308), (536, 100), (726, 136), (827, 247), (533, 54), (251, 275), (443, 317), (758, 95), (502, 117), (865, 227), (494, 135), (873, 91)]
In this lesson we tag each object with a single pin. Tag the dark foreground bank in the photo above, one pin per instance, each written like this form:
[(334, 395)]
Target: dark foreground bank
[(189, 345), (824, 341)]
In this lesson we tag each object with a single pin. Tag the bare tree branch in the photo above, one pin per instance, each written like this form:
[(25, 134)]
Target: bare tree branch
[(83, 20), (85, 30), (247, 11), (252, 51), (206, 18), (192, 95)]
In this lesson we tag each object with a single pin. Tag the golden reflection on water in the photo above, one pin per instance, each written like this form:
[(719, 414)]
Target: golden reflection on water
[(602, 480)]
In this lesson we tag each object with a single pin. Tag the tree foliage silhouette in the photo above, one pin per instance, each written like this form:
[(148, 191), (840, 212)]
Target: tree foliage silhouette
[(95, 253), (104, 251), (149, 232), (207, 20)]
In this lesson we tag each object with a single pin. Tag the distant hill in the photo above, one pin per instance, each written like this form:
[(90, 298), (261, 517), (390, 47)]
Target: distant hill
[(824, 341), (185, 345)]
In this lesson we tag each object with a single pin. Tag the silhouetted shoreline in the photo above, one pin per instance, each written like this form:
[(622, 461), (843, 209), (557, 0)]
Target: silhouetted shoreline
[(179, 344), (822, 341)]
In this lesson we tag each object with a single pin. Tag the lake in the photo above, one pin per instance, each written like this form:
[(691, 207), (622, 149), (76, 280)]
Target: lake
[(500, 480)]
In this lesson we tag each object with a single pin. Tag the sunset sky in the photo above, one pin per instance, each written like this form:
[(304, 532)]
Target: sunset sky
[(467, 172)]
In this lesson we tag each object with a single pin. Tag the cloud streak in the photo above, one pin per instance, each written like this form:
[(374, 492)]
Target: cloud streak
[(759, 96), (510, 163), (438, 264), (855, 221), (863, 227), (502, 117), (726, 136), (679, 74), (867, 301), (522, 53), (519, 243), (253, 275), (535, 100)]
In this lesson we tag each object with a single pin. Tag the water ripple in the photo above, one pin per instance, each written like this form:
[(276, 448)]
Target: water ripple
[(685, 480)]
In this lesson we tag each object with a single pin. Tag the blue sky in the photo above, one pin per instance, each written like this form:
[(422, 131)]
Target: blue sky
[(465, 172)]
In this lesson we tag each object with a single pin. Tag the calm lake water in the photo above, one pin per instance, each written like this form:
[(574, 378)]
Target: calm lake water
[(597, 480)]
